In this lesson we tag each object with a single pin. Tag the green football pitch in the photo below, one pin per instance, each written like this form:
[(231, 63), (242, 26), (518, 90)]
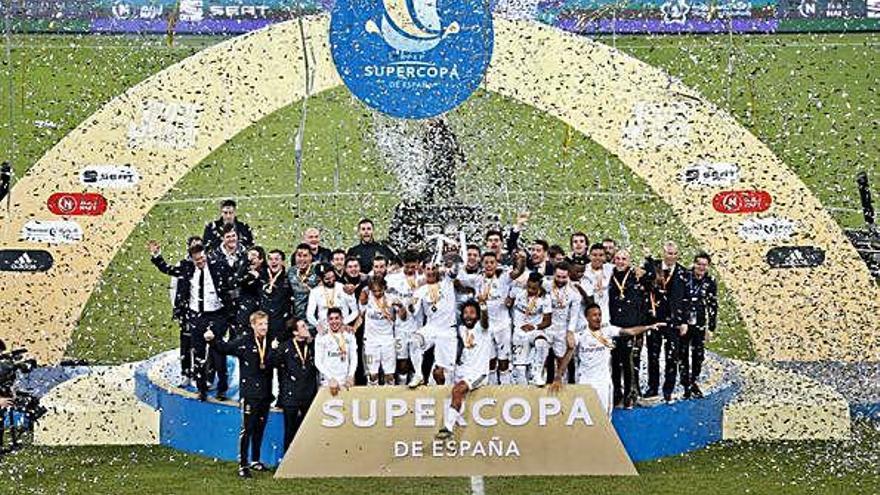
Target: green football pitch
[(813, 99)]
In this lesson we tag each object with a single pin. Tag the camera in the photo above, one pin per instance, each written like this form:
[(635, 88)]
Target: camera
[(12, 365)]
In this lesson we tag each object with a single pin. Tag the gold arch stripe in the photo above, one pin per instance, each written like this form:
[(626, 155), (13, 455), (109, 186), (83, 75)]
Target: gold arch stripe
[(652, 122)]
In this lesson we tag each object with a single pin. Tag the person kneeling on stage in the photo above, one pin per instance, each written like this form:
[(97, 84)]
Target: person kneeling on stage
[(336, 354), (479, 348), (298, 377), (254, 387), (594, 346)]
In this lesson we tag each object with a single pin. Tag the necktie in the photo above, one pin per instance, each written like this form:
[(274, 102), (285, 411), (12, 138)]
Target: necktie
[(202, 290)]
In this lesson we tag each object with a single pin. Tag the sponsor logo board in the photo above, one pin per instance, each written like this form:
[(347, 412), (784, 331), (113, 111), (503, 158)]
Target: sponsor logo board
[(52, 232), (710, 174), (742, 201), (72, 204), (767, 229), (795, 257), (110, 176), (25, 260)]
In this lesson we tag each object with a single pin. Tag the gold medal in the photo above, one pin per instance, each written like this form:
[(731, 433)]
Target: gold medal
[(272, 280), (303, 354), (621, 286)]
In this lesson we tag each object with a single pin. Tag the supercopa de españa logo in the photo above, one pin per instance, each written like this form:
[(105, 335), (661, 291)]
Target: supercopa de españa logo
[(411, 58)]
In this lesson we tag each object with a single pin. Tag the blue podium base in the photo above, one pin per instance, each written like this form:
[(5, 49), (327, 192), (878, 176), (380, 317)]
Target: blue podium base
[(211, 428)]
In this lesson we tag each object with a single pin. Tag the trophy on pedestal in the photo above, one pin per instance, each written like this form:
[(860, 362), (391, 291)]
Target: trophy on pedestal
[(424, 156)]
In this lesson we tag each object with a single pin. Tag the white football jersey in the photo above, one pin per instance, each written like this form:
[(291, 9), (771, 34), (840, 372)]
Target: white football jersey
[(476, 357), (529, 310), (594, 358), (438, 305), (496, 290)]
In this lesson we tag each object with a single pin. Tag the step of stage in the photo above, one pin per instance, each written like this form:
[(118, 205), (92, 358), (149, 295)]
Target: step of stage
[(97, 408), (775, 404)]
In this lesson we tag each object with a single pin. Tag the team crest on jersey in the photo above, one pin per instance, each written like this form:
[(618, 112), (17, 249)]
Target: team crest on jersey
[(411, 58)]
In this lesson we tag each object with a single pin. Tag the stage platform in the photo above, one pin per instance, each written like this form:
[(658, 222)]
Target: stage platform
[(142, 403)]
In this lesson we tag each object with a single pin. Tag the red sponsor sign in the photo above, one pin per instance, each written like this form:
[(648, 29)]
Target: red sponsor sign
[(77, 204), (741, 201)]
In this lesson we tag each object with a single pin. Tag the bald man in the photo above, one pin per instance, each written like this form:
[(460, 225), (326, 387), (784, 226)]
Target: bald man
[(320, 254)]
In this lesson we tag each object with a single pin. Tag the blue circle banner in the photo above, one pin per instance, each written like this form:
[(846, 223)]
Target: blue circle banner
[(411, 59)]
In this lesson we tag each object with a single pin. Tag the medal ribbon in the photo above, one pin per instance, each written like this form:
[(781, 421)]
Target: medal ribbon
[(261, 350), (621, 286), (272, 279)]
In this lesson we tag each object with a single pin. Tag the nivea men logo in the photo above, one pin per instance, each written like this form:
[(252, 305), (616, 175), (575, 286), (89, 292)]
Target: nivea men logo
[(767, 229), (52, 232), (711, 174), (795, 257), (111, 176), (25, 260)]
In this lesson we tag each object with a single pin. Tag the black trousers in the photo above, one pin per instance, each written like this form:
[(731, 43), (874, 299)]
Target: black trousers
[(671, 349), (638, 345), (654, 343), (293, 418), (622, 368), (254, 414), (693, 352), (185, 351), (206, 360)]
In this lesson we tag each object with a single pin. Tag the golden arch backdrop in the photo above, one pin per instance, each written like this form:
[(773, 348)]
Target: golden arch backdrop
[(685, 148)]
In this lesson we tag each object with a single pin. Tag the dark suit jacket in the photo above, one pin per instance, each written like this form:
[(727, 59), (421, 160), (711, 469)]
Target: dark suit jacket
[(254, 382), (297, 384), (670, 300), (213, 235), (185, 272)]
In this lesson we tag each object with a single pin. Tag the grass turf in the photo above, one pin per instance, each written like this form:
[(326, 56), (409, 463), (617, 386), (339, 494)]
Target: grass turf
[(811, 98), (724, 468)]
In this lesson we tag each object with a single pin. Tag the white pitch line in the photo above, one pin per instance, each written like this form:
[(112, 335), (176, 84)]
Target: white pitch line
[(601, 39), (478, 486), (387, 193)]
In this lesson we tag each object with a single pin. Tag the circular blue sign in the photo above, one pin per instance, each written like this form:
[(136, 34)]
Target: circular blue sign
[(411, 59)]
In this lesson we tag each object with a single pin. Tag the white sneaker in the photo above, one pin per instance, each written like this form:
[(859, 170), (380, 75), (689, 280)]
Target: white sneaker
[(184, 381), (416, 381)]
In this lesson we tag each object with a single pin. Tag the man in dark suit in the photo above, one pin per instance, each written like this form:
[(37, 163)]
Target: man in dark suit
[(298, 377), (667, 304), (232, 257), (179, 300), (213, 235), (702, 319), (203, 282), (368, 247), (276, 296), (254, 388)]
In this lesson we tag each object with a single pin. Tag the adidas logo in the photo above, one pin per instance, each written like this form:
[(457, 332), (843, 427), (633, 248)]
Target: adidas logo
[(24, 263)]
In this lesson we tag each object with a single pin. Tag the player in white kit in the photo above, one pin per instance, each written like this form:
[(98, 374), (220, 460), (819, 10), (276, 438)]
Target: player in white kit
[(435, 301), (336, 354), (566, 302), (593, 345), (492, 287), (532, 314), (479, 347), (380, 311), (597, 279), (402, 286), (329, 294)]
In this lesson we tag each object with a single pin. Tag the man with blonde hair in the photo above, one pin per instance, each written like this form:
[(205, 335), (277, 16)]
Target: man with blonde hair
[(255, 389)]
